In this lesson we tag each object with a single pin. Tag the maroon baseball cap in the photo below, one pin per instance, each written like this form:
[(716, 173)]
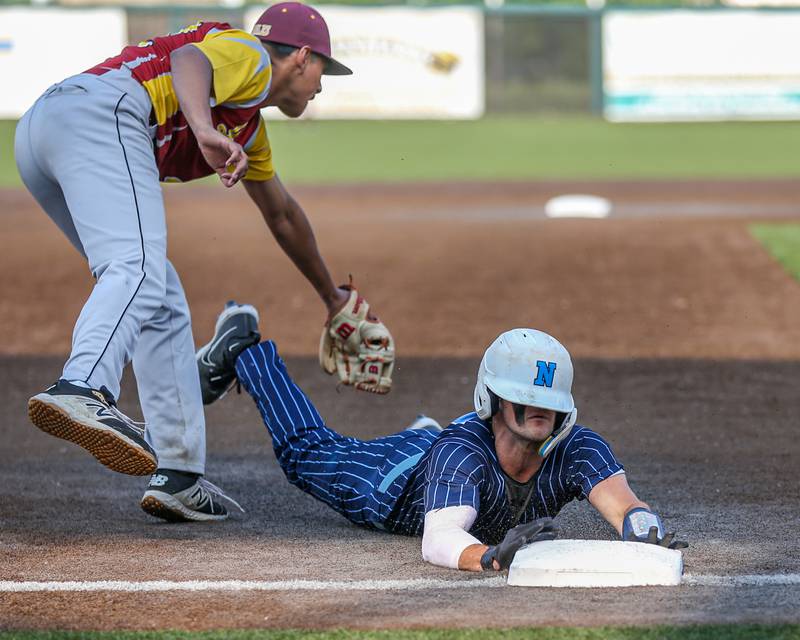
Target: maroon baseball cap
[(298, 25)]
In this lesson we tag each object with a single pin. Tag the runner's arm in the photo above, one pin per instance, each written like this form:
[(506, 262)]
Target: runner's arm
[(446, 540), (613, 498), (452, 499)]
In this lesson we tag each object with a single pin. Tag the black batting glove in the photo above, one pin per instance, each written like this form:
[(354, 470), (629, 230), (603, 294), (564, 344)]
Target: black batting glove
[(516, 538)]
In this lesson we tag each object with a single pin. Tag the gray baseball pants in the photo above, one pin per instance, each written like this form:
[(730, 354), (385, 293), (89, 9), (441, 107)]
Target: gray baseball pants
[(85, 152)]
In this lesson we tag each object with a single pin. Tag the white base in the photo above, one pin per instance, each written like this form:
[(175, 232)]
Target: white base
[(577, 206), (595, 563)]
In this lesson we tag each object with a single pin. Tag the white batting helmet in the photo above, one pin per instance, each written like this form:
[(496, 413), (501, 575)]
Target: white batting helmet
[(532, 368)]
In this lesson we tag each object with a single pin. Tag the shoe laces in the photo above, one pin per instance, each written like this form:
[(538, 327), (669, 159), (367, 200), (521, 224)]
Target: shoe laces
[(139, 427), (214, 490)]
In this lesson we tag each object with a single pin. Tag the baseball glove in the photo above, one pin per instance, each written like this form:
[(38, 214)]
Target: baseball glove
[(358, 346)]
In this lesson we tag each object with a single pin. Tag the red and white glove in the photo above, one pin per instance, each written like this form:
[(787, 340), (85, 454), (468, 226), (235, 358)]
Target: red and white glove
[(358, 347)]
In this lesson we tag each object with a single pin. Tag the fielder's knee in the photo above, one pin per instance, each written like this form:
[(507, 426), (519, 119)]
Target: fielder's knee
[(145, 285)]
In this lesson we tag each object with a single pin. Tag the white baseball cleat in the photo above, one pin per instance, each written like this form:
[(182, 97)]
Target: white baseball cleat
[(90, 419)]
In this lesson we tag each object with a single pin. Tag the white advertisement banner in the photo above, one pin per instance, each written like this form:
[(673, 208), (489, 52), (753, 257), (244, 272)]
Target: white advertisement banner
[(407, 63), (39, 47), (701, 65)]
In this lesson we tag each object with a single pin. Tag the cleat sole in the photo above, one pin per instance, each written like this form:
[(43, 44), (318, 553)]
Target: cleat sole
[(108, 447)]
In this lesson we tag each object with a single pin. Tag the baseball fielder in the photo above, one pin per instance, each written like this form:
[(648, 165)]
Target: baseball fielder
[(477, 490), (92, 150)]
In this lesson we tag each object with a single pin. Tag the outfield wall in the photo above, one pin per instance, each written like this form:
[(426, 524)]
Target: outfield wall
[(41, 47), (462, 62), (406, 62), (710, 65)]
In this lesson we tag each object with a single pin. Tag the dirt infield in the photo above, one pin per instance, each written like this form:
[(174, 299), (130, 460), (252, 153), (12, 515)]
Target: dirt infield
[(657, 286), (686, 335), (695, 437)]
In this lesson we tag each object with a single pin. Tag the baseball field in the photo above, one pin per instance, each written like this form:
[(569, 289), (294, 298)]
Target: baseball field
[(681, 311)]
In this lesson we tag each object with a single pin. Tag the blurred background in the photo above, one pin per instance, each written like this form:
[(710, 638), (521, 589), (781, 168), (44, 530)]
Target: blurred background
[(522, 90), (460, 117)]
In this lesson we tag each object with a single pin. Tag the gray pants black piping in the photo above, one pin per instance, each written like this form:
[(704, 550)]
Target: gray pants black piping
[(85, 152)]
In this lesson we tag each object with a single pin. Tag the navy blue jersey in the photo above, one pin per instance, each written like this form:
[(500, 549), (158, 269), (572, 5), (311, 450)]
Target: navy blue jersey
[(390, 483), (461, 468)]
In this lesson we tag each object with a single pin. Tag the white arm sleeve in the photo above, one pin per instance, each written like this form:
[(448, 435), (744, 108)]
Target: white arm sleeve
[(445, 535)]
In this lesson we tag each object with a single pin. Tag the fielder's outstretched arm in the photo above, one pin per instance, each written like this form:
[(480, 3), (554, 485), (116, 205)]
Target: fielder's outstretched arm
[(288, 223)]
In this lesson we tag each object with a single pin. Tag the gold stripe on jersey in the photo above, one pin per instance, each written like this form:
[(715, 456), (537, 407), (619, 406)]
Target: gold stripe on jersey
[(163, 97), (259, 155), (242, 71)]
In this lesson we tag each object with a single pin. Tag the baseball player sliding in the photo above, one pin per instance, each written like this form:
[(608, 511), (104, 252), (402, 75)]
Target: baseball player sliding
[(92, 151), (476, 491)]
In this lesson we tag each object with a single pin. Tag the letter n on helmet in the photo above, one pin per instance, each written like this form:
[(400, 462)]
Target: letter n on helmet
[(544, 373)]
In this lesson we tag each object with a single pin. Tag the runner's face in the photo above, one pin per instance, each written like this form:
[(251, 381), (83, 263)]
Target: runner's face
[(535, 424), (305, 83)]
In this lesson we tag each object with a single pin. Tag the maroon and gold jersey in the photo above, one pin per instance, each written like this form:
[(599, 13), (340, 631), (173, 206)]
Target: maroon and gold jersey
[(242, 74)]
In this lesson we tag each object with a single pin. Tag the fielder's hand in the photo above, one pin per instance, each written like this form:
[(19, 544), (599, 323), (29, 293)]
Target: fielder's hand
[(358, 347), (642, 525), (516, 538), (226, 157)]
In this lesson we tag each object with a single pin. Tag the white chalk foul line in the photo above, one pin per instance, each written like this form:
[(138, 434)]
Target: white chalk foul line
[(758, 580), (10, 586), (253, 585)]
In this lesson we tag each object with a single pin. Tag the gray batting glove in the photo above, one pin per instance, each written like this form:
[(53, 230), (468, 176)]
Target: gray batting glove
[(642, 525)]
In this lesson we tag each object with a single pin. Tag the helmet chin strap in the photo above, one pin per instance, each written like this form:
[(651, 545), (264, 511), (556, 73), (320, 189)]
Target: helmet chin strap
[(558, 434), (544, 448)]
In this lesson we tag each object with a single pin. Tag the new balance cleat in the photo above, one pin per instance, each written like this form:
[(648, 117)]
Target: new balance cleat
[(235, 331), (177, 496), (90, 419)]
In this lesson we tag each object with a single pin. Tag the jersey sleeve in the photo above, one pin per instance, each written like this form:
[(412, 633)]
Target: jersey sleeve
[(240, 65), (453, 476), (259, 155), (592, 461)]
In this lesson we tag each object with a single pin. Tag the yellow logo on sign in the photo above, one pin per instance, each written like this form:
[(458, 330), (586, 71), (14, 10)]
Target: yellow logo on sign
[(443, 61)]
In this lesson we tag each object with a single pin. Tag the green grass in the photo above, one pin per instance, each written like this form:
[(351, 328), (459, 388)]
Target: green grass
[(515, 148), (783, 242), (8, 170), (698, 632)]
